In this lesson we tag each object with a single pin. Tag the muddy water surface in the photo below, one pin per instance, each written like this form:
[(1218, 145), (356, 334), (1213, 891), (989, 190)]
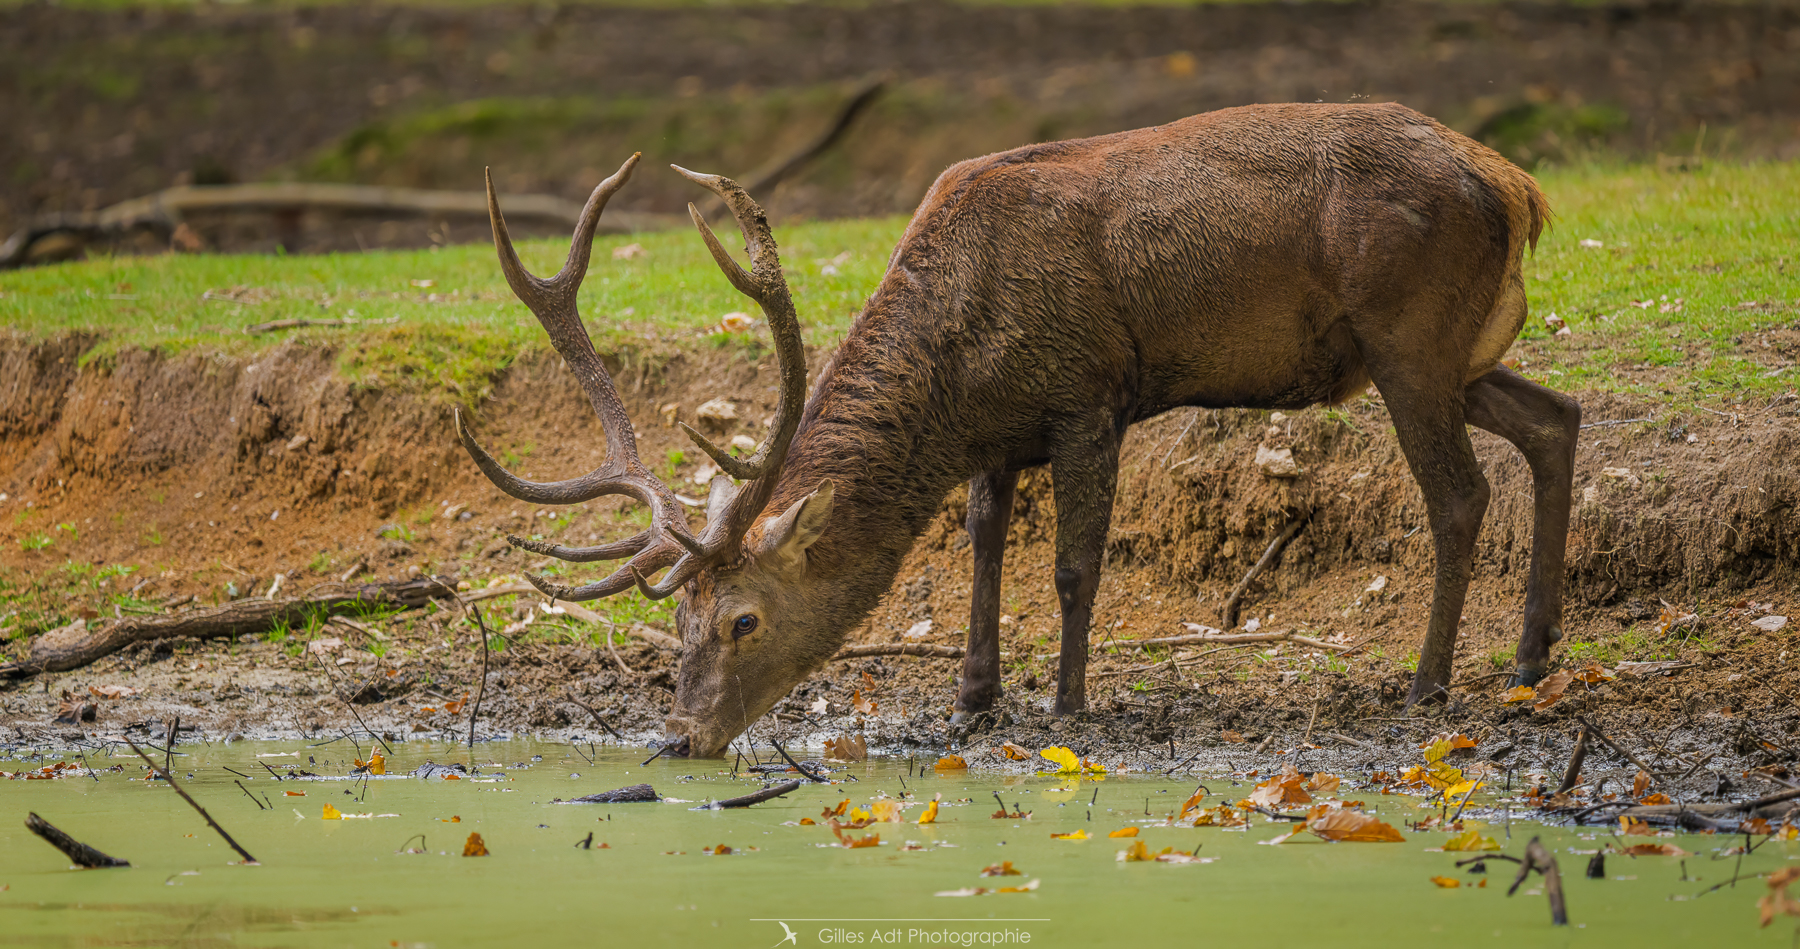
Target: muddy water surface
[(357, 882)]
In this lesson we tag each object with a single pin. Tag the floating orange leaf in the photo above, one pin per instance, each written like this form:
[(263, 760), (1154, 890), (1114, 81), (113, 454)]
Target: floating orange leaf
[(1001, 869), (1124, 832), (1013, 752), (452, 777), (1448, 883), (1072, 835), (1352, 826), (1138, 853), (846, 748), (475, 846), (452, 819), (295, 793), (808, 822), (1654, 850), (838, 811), (1282, 789), (332, 813), (931, 810), (722, 850), (1777, 902), (1322, 783), (1632, 827), (950, 763)]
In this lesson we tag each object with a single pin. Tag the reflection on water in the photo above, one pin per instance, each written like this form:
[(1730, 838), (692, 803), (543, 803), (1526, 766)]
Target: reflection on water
[(391, 870)]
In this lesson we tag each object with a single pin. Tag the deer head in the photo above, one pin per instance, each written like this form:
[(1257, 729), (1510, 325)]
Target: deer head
[(744, 610)]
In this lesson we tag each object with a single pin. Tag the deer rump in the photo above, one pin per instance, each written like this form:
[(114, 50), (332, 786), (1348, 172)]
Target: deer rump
[(1043, 299)]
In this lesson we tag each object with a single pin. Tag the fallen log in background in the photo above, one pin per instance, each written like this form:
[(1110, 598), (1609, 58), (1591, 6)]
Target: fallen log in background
[(72, 647), (81, 854), (899, 649)]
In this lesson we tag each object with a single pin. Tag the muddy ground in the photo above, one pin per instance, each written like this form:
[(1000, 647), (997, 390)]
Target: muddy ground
[(105, 105), (209, 476)]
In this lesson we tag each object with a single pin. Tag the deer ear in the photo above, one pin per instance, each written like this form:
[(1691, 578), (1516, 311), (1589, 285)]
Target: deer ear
[(787, 537)]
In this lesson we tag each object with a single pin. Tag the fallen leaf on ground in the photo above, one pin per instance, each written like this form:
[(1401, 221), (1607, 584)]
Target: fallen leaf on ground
[(1230, 737), (1518, 693), (1593, 674), (1013, 752), (455, 708), (112, 691), (1124, 832), (1640, 785), (1769, 624), (475, 846), (1550, 691), (1651, 800), (1352, 826), (1072, 835), (1001, 869), (950, 763), (862, 705)]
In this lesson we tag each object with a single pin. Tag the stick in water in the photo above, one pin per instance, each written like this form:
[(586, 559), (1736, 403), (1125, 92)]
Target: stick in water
[(475, 712), (796, 764), (83, 855), (195, 804)]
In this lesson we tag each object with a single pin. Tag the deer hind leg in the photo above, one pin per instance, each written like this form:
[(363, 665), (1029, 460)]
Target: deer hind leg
[(1429, 419), (1085, 469), (990, 511), (1544, 426)]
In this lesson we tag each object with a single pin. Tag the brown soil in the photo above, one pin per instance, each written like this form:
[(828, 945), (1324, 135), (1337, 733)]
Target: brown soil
[(203, 471), (105, 105)]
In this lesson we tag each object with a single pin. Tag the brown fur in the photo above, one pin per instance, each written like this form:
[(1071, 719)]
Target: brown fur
[(1045, 298)]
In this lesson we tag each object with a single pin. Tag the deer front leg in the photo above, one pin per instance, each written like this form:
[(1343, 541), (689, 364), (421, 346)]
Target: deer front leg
[(1085, 473), (990, 511)]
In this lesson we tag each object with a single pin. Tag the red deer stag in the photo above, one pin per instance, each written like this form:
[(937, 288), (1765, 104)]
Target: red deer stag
[(1042, 300)]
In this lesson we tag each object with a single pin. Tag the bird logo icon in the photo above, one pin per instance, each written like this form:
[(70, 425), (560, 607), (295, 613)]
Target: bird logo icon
[(791, 939)]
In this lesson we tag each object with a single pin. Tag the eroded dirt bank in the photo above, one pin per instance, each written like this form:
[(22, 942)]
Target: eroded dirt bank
[(210, 475)]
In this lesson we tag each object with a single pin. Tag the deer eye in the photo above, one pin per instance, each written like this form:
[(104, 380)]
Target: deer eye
[(744, 626)]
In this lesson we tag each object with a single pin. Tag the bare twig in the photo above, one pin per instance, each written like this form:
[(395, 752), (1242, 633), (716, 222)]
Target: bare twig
[(79, 853), (1608, 742), (1572, 774), (1228, 615), (191, 802), (797, 767), (609, 729), (252, 797), (475, 712), (766, 794)]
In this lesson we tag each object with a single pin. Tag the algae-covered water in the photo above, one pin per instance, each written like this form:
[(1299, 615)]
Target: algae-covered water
[(355, 881)]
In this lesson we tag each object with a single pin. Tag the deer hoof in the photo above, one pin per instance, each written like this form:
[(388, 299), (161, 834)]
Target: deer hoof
[(1525, 676)]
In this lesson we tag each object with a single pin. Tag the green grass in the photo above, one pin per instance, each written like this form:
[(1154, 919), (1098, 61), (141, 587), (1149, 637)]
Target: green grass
[(1715, 238), (455, 322)]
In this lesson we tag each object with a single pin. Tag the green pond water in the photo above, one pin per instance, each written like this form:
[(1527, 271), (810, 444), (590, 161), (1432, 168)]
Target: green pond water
[(349, 883)]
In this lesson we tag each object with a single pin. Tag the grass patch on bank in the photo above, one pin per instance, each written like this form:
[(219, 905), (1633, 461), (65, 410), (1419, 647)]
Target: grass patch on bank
[(1692, 268)]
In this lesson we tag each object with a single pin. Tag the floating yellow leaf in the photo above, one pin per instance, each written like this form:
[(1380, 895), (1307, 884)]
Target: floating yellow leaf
[(1013, 752), (950, 763), (885, 812), (1471, 841), (808, 822), (1001, 869), (475, 846), (931, 811), (1448, 883), (1065, 760), (1073, 835), (1124, 832), (332, 813), (1192, 804), (859, 816)]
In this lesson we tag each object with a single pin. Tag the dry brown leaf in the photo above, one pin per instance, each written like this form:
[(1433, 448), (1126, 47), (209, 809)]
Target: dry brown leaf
[(475, 846), (112, 691), (837, 811), (1231, 737), (1632, 827), (1518, 693), (1551, 689), (1640, 785), (1124, 832), (1654, 850), (862, 705), (1282, 789), (1778, 902), (847, 748), (1012, 752), (1322, 783), (1347, 825), (1001, 869), (1593, 674), (1652, 800)]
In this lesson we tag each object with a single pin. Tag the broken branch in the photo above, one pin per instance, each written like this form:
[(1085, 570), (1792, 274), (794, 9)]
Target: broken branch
[(766, 794), (1228, 615), (79, 853)]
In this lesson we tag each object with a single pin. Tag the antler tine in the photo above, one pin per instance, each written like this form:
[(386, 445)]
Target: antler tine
[(765, 284)]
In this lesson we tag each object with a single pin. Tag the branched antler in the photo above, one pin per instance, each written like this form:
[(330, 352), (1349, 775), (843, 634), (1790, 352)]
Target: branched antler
[(667, 542)]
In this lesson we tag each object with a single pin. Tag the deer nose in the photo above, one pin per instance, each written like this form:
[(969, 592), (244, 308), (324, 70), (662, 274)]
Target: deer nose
[(679, 747)]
